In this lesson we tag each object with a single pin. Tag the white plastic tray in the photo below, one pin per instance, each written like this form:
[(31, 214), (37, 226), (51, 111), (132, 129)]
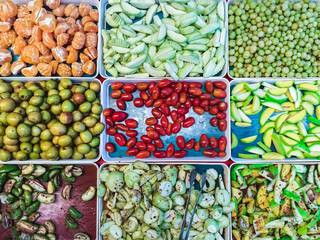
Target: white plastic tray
[(62, 161), (94, 3), (249, 133), (105, 138), (103, 72), (226, 178)]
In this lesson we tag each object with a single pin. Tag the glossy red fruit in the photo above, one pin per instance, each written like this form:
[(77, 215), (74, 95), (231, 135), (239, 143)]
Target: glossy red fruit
[(174, 98), (213, 142), (185, 86), (219, 93), (223, 106), (158, 103), (158, 142), (177, 105), (206, 108), (126, 97), (195, 102), (182, 97), (121, 104), (132, 151), (205, 96), (149, 128), (197, 147), (169, 129), (221, 115), (182, 110), (144, 95), (188, 103), (181, 143), (151, 147), (198, 110), (129, 87), (190, 144), (131, 133), (165, 109), (153, 134), (141, 145), (164, 122), (119, 116), (149, 102), (178, 88), (160, 154), (116, 94), (204, 103), (195, 91), (222, 143), (111, 131), (195, 84), (138, 102), (117, 85), (220, 84), (131, 123), (164, 83), (160, 130), (131, 142), (176, 127), (142, 86), (209, 87), (213, 110), (221, 154), (181, 118), (109, 121), (168, 101), (122, 127), (108, 112), (151, 121), (110, 147), (143, 154), (155, 92), (180, 153), (156, 113), (210, 153), (146, 139), (214, 101), (151, 86), (170, 150), (120, 139), (167, 91), (174, 115), (222, 125), (214, 121), (188, 122), (204, 141)]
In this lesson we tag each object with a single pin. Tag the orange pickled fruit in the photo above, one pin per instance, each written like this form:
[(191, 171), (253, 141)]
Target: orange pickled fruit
[(37, 13), (64, 70), (61, 28), (73, 56), (79, 26), (86, 19), (53, 4), (5, 56), (5, 26), (36, 33), (72, 26), (72, 11), (8, 10), (5, 70), (43, 49), (38, 3), (46, 58), (9, 37), (78, 40), (84, 58), (91, 27), (45, 69), (19, 44), (47, 23), (91, 52), (77, 69), (91, 39), (89, 67), (62, 39), (31, 71), (54, 65), (30, 54), (60, 54), (59, 12), (3, 45), (23, 11), (17, 66), (48, 40), (23, 27), (94, 13), (84, 9)]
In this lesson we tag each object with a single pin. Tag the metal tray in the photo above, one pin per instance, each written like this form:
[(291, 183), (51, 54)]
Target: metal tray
[(103, 25), (140, 114), (62, 161), (220, 167)]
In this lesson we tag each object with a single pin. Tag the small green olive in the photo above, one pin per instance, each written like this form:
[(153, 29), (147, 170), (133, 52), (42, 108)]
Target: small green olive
[(65, 94), (77, 116), (24, 104), (2, 130), (95, 86), (9, 141), (98, 128), (72, 133), (94, 142), (15, 97), (5, 95), (14, 119), (80, 89), (66, 117), (36, 148), (25, 94), (64, 140), (58, 129), (45, 105), (23, 130), (26, 121), (89, 121), (20, 111), (35, 117), (92, 154), (15, 83), (21, 156), (36, 100), (52, 153), (26, 147), (41, 126), (46, 116), (39, 92), (5, 87), (7, 105), (53, 99), (85, 84), (66, 83), (53, 92), (32, 86), (79, 126), (86, 136), (96, 109), (32, 108), (55, 140), (56, 109), (76, 155), (45, 145), (52, 122), (65, 152), (83, 148), (90, 95), (25, 139), (3, 118), (85, 107), (51, 84), (46, 135), (34, 155), (12, 148), (4, 155), (35, 140), (77, 140), (67, 106), (11, 132)]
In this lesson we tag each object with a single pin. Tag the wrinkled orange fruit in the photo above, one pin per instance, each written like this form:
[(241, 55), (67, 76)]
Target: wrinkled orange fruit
[(89, 67), (59, 53), (78, 40), (91, 52), (91, 27), (62, 39), (72, 26), (77, 69), (30, 54), (9, 37), (47, 22), (79, 26), (86, 19), (94, 13), (23, 27), (5, 56), (37, 13), (45, 69), (5, 26), (61, 28), (59, 12), (48, 40), (23, 11), (36, 33), (84, 58), (3, 45), (91, 39), (19, 44), (54, 65), (73, 56), (53, 4), (84, 9), (17, 66), (64, 70), (5, 70), (8, 10), (31, 71), (43, 49), (70, 9), (46, 58)]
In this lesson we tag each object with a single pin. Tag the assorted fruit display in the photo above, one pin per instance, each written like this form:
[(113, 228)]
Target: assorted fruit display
[(275, 201), (176, 39), (273, 38), (50, 120), (168, 100), (24, 189), (288, 113), (142, 201), (46, 38)]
